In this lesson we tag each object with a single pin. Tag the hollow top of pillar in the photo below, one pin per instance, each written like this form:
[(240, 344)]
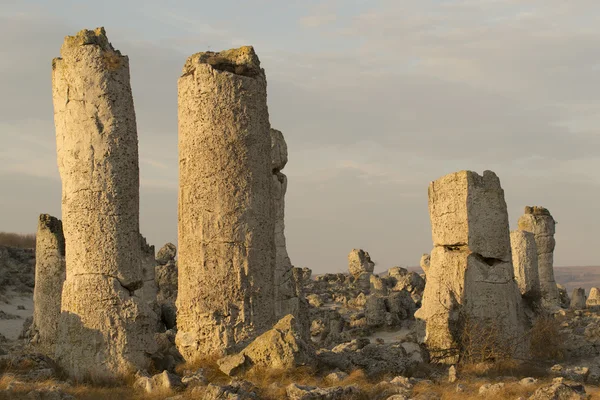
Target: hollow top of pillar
[(90, 37), (241, 61)]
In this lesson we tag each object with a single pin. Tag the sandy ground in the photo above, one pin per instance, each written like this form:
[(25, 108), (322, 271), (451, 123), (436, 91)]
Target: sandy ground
[(11, 328)]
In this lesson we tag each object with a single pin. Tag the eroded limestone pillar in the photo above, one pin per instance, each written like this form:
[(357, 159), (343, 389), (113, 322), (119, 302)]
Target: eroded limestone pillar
[(525, 263), (226, 222), (105, 330), (470, 275), (286, 298), (539, 221), (578, 299), (593, 300), (49, 278)]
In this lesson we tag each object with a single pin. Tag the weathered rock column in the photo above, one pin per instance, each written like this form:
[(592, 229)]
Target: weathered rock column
[(539, 221), (286, 298), (578, 299), (226, 222), (49, 278), (149, 290), (105, 331), (470, 277), (525, 263), (593, 300)]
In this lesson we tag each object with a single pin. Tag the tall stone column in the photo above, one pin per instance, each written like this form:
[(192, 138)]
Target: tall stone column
[(525, 264), (105, 330), (539, 221), (49, 278), (286, 299), (226, 221), (470, 274)]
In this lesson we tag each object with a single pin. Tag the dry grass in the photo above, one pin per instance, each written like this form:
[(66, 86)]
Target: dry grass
[(23, 241), (547, 340)]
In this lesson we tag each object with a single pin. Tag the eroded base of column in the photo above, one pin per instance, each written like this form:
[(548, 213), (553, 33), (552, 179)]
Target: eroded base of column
[(104, 332)]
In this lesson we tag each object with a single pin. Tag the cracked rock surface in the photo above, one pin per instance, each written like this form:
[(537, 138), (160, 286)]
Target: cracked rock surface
[(470, 276), (104, 328), (226, 224)]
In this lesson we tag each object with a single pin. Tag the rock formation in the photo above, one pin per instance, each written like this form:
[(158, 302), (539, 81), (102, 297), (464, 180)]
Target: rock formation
[(104, 329), (424, 262), (539, 221), (593, 301), (149, 290), (359, 262), (49, 278), (280, 348), (166, 278), (470, 278), (525, 263), (226, 225), (578, 300), (286, 298)]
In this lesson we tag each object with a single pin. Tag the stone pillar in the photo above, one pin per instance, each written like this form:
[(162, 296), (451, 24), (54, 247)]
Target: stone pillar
[(578, 300), (539, 221), (286, 299), (525, 263), (470, 277), (149, 290), (593, 301), (226, 224), (424, 262), (359, 262), (49, 278), (105, 331), (166, 276)]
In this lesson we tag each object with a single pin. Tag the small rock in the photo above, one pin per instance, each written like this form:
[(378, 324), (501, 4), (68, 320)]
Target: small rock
[(490, 389), (559, 391), (336, 377), (528, 381), (452, 374), (297, 392)]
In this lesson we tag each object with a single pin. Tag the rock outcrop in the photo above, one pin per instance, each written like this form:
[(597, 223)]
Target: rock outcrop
[(539, 221), (166, 279), (578, 299), (226, 225), (359, 263), (593, 300), (525, 264), (470, 278), (280, 348), (49, 278), (287, 299), (105, 331), (424, 262), (149, 290)]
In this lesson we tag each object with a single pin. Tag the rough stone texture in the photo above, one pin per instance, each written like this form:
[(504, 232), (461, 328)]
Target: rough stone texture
[(593, 300), (49, 278), (226, 224), (166, 253), (299, 392), (279, 348), (539, 221), (359, 262), (578, 299), (149, 290), (467, 209), (104, 330), (470, 277), (424, 263), (563, 296), (286, 291), (166, 278), (559, 391), (525, 263)]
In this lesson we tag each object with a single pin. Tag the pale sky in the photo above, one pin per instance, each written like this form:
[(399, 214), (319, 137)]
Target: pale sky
[(375, 98)]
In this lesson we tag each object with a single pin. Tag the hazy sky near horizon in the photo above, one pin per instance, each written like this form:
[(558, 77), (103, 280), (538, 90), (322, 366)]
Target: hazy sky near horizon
[(375, 98)]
